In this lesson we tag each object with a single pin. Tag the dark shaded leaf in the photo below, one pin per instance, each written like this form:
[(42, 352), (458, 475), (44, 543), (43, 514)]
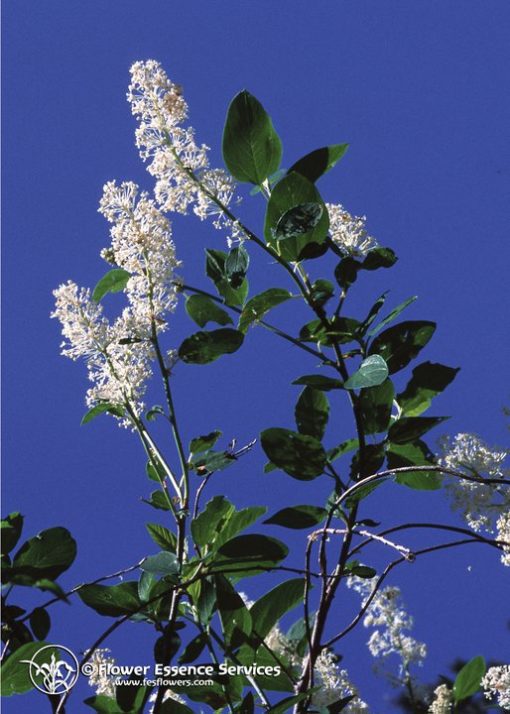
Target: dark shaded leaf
[(298, 517), (236, 265), (399, 344), (111, 600), (373, 459), (342, 449), (193, 649), (408, 429), (215, 269), (317, 381), (206, 526), (318, 162), (341, 330), (202, 310), (298, 221), (40, 622), (47, 555), (322, 291), (376, 404), (257, 549), (392, 316), (414, 454), (312, 412), (15, 673), (203, 443), (12, 525), (428, 380), (259, 305), (206, 347), (298, 455)]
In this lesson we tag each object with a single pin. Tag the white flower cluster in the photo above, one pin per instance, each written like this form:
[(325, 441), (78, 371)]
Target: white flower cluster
[(387, 614), (443, 699), (349, 232), (484, 506), (99, 679), (332, 681), (119, 354), (496, 683), (180, 166)]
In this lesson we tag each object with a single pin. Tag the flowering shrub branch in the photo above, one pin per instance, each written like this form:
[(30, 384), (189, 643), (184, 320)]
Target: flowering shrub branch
[(206, 549)]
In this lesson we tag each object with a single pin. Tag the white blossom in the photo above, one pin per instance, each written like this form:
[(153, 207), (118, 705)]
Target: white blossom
[(332, 681), (169, 694), (349, 232), (443, 699), (496, 683), (99, 679), (484, 505), (179, 165), (387, 614), (119, 354)]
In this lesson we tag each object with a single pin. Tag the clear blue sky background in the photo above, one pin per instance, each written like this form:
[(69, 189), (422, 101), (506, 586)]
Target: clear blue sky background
[(420, 90)]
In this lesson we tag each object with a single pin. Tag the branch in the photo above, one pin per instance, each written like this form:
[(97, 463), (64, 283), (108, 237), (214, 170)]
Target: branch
[(389, 568)]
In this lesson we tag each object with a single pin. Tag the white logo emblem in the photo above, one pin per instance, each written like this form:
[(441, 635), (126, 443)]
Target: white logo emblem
[(57, 676)]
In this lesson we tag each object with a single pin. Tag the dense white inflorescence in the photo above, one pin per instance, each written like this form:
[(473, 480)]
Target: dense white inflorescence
[(99, 679), (180, 166), (443, 699), (387, 614), (496, 683), (119, 354), (349, 232), (484, 505)]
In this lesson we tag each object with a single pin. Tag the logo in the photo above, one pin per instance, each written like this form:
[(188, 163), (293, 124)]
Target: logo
[(53, 669)]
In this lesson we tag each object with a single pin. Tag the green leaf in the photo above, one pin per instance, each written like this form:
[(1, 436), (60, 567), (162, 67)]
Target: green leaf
[(131, 697), (164, 563), (340, 704), (113, 282), (259, 305), (392, 316), (206, 347), (341, 330), (47, 555), (298, 455), (15, 672), (322, 291), (209, 461), (203, 443), (373, 459), (252, 150), (429, 379), (12, 526), (172, 706), (410, 428), (239, 521), (379, 258), (202, 310), (162, 536), (319, 162), (158, 500), (298, 221), (371, 372), (399, 344), (256, 548), (40, 622), (353, 567), (268, 610), (317, 381), (298, 517), (216, 270), (287, 703), (236, 265), (194, 648), (111, 600), (247, 705), (235, 616), (469, 678), (374, 311), (102, 408), (312, 412), (292, 192), (103, 704), (376, 404), (145, 585), (153, 413), (206, 526), (341, 449), (414, 454)]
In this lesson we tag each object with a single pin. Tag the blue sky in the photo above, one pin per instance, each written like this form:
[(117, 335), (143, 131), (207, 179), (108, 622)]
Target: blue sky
[(420, 91)]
